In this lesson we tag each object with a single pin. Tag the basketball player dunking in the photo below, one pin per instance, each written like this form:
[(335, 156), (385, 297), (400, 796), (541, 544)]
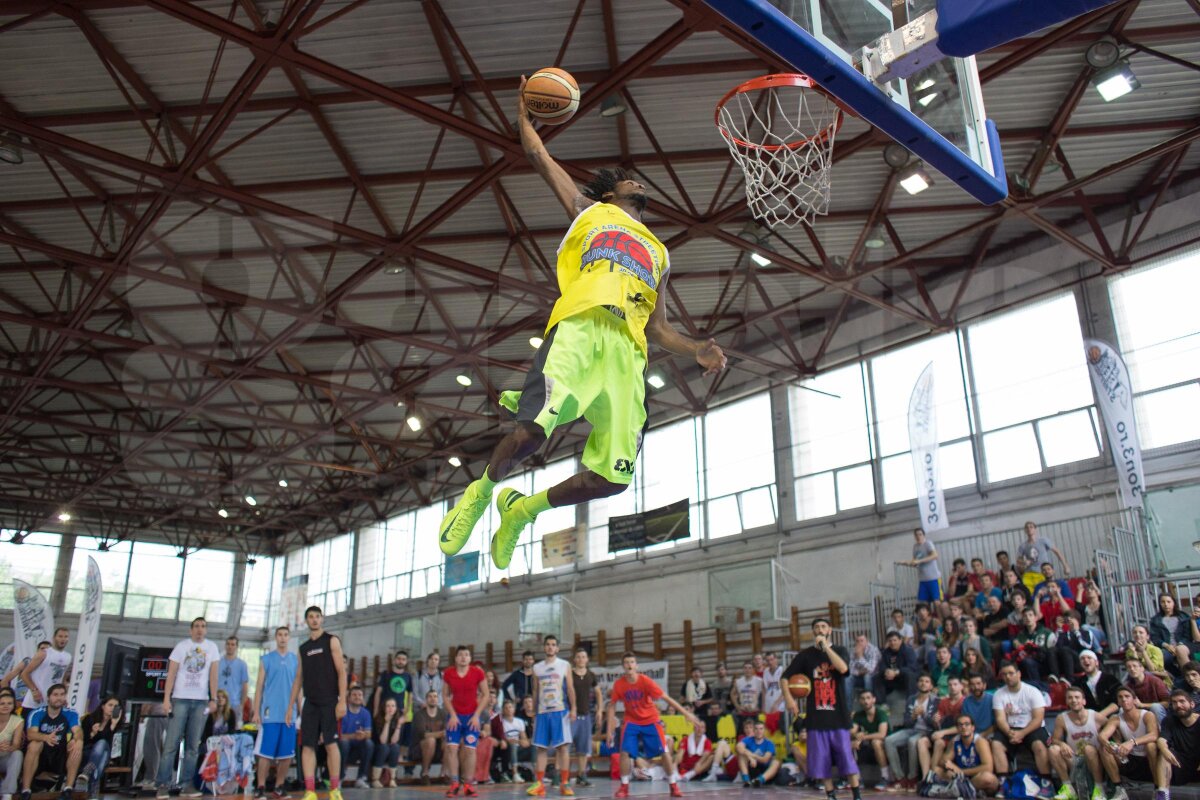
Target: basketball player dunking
[(611, 273), (322, 675)]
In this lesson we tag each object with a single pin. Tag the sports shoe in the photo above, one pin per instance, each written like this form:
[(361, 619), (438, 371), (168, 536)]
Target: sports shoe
[(192, 791), (881, 786), (755, 783), (1066, 792), (582, 781), (1097, 793), (469, 790), (453, 790), (894, 786), (335, 794), (622, 790), (460, 522), (66, 794), (676, 791), (279, 792), (566, 791), (1162, 794), (26, 794), (1118, 794), (537, 790), (711, 777), (513, 520), (259, 793)]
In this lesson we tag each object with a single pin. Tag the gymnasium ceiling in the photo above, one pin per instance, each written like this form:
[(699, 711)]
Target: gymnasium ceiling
[(244, 231)]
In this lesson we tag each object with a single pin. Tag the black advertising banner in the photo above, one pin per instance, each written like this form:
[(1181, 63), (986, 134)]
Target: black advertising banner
[(656, 526)]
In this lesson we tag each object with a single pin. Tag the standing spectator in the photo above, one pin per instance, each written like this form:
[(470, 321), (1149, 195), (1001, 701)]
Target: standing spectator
[(759, 664), (1152, 694), (55, 742), (12, 736), (234, 677), (722, 691), (428, 733), (394, 683), (1020, 712), (772, 676), (1151, 655), (1076, 735), (864, 663), (1133, 751), (1178, 746), (589, 705), (554, 692), (924, 558), (1099, 688), (321, 674), (869, 726), (827, 722), (429, 679), (50, 665), (465, 699), (98, 728), (356, 742), (276, 742), (897, 668), (190, 692), (960, 583), (757, 763), (747, 694), (385, 735), (1174, 633), (918, 722), (970, 757), (1035, 550), (519, 684)]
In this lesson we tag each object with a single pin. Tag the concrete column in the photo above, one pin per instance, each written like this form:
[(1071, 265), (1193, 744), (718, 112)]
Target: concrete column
[(236, 592), (62, 573), (781, 439)]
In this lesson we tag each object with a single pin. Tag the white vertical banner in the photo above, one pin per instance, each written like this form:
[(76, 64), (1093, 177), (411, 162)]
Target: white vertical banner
[(1114, 395), (923, 441), (33, 621), (85, 644)]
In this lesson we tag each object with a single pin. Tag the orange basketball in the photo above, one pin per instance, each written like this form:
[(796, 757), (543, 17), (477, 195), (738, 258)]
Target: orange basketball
[(799, 685), (552, 95)]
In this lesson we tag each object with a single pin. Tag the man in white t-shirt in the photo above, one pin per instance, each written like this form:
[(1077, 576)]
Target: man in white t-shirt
[(1020, 710), (46, 668), (747, 694), (555, 696), (189, 694), (772, 685)]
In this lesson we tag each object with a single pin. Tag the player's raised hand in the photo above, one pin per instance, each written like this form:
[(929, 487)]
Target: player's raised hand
[(711, 357)]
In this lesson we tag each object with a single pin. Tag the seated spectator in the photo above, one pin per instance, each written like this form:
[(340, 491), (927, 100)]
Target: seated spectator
[(1174, 633), (971, 640), (1076, 736), (918, 722), (527, 711), (897, 668), (98, 729), (1178, 746), (1151, 693), (1003, 562), (1191, 681), (945, 668), (727, 756), (977, 704), (978, 571), (1131, 750), (12, 736), (1010, 584), (1053, 604), (747, 694), (948, 636), (1033, 650), (948, 709), (959, 583), (695, 756), (969, 756), (1141, 648), (512, 743), (1049, 579), (1020, 711), (55, 743), (986, 589), (355, 738), (695, 690), (901, 626), (869, 726), (385, 734), (1074, 636), (757, 762), (925, 630), (223, 722), (1016, 617), (995, 623), (428, 734), (864, 663), (1092, 611), (1099, 688), (974, 663)]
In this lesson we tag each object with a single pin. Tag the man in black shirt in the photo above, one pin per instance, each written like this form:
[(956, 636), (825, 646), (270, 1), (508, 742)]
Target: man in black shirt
[(1099, 688), (828, 718), (1178, 746), (321, 672), (519, 684)]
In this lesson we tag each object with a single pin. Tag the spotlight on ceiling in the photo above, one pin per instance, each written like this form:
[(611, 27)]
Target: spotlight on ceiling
[(758, 235), (413, 422), (896, 155), (535, 342), (394, 269), (222, 513), (463, 379), (250, 500), (613, 106), (915, 179), (656, 381), (455, 461), (875, 239), (10, 149), (761, 260), (64, 516), (1102, 53), (283, 484), (399, 404), (1116, 81), (251, 561)]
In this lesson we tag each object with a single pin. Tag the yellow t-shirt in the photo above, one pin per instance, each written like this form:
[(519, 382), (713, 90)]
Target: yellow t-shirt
[(608, 258)]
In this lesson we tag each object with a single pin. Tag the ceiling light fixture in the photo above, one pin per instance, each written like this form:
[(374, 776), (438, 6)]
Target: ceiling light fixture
[(874, 239), (1116, 81), (613, 106), (64, 516), (915, 179), (896, 155), (761, 260), (927, 99), (535, 342), (222, 513), (656, 381), (399, 404), (283, 484), (250, 500), (455, 461), (1102, 53), (10, 149), (414, 423), (925, 84), (394, 269), (463, 379)]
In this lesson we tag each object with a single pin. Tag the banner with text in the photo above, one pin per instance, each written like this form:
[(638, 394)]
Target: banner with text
[(923, 441), (656, 526), (560, 548), (1114, 395), (32, 620), (658, 671), (462, 568), (85, 644)]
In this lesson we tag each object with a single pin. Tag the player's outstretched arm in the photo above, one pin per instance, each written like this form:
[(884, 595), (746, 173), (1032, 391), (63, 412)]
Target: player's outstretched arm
[(560, 182), (706, 351)]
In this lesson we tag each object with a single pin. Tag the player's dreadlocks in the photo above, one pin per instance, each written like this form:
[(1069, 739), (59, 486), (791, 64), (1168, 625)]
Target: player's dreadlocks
[(604, 181)]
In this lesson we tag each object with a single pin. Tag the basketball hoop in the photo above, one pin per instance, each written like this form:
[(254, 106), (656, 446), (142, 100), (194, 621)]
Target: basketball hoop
[(780, 130)]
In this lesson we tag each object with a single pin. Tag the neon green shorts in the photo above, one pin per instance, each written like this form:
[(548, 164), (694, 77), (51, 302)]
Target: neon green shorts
[(589, 367)]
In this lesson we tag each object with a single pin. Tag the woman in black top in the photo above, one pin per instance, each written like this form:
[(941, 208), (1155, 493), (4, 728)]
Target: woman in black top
[(98, 729), (223, 721), (386, 734)]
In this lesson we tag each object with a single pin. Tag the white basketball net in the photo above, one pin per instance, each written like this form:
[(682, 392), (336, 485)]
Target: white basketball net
[(782, 137)]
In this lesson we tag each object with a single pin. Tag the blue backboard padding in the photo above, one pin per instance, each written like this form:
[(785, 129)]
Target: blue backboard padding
[(967, 27), (805, 54)]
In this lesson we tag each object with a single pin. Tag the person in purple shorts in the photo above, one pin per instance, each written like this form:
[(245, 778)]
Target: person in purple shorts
[(828, 718)]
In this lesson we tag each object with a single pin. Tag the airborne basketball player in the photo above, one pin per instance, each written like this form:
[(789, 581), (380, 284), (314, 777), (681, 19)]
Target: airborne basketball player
[(611, 273)]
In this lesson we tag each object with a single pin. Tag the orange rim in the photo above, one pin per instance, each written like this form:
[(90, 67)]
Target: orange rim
[(793, 79)]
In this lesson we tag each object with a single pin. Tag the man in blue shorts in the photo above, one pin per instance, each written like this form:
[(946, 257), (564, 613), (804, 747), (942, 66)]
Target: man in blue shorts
[(925, 560), (555, 696), (276, 738)]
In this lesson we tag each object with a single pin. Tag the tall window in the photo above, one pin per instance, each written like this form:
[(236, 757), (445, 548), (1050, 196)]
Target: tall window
[(114, 568), (1159, 332), (327, 565), (260, 595), (831, 443), (207, 581), (1033, 389), (739, 466), (34, 561), (893, 376), (155, 576)]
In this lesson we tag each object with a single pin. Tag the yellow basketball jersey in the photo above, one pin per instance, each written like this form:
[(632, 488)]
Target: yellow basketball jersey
[(610, 259)]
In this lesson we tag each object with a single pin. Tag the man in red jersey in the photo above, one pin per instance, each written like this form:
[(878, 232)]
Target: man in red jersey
[(466, 695), (643, 727)]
